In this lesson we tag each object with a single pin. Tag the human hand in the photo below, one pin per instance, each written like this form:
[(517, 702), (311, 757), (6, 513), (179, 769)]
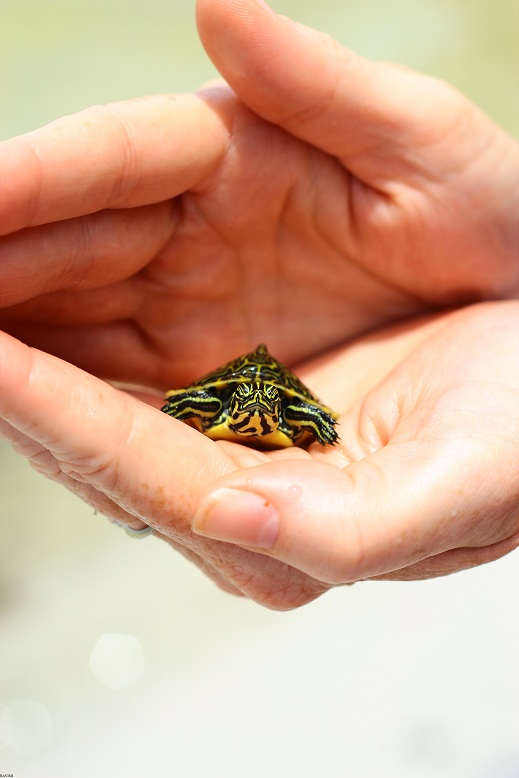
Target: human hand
[(424, 481), (152, 240)]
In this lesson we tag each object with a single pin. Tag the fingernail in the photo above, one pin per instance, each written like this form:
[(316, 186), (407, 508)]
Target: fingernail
[(238, 517)]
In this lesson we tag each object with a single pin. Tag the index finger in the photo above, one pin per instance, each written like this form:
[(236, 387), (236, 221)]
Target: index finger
[(149, 464), (120, 155)]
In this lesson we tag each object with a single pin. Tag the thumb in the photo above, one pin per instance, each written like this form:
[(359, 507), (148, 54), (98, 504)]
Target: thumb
[(338, 525), (370, 115)]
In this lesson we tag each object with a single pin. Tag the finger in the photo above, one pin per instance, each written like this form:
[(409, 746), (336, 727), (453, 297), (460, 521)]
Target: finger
[(98, 434), (82, 253), (121, 155), (364, 112)]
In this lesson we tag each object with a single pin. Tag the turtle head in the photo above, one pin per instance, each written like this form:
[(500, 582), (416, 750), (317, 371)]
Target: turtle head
[(254, 409)]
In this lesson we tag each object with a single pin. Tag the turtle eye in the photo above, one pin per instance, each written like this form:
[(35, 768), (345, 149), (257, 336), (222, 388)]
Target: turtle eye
[(241, 395)]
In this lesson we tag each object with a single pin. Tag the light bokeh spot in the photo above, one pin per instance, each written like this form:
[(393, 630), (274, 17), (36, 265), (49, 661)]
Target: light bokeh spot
[(117, 660), (25, 726)]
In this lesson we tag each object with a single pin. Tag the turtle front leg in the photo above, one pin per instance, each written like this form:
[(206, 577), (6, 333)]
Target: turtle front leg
[(311, 419), (198, 405)]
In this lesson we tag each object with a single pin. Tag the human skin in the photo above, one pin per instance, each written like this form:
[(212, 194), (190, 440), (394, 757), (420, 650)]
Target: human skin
[(147, 242), (423, 482)]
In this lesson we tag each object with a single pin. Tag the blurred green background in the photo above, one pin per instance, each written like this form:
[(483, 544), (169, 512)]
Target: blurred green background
[(117, 657), (57, 57)]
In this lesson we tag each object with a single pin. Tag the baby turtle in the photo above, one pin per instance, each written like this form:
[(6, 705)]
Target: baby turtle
[(254, 400)]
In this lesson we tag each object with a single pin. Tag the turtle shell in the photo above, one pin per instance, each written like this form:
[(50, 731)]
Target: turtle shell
[(259, 365), (285, 412)]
